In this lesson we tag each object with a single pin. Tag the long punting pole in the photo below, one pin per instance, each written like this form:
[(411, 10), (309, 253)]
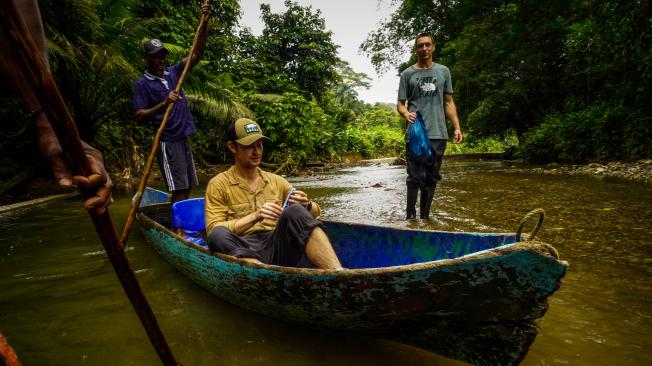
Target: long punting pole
[(150, 161), (15, 36)]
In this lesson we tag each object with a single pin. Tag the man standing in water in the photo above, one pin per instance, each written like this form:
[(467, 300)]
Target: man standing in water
[(426, 87), (153, 92)]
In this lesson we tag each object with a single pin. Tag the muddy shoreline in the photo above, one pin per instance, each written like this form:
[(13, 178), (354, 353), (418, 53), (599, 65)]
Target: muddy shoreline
[(639, 171)]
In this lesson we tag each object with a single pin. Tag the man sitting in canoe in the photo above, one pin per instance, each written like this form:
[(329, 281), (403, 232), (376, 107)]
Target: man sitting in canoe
[(245, 212)]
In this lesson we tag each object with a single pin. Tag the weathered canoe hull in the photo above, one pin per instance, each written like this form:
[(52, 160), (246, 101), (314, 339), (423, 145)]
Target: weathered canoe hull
[(479, 308)]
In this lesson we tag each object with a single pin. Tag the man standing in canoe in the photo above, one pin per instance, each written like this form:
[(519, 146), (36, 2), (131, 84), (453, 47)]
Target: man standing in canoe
[(246, 214), (153, 92), (427, 87)]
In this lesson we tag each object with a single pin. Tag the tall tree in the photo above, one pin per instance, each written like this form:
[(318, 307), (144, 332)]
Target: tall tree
[(297, 39), (345, 91), (508, 63), (388, 44), (294, 53)]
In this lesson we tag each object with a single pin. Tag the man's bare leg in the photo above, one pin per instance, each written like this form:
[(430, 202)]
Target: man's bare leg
[(320, 251)]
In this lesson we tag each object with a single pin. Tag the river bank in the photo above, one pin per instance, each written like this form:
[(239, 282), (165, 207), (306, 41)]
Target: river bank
[(639, 171)]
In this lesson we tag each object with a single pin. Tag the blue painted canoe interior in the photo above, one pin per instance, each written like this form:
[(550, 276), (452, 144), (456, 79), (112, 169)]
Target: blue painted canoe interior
[(366, 246), (362, 246)]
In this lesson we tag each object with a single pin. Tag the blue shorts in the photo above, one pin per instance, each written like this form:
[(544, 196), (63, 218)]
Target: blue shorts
[(177, 165)]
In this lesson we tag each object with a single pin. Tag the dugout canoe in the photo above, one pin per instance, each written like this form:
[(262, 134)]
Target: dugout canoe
[(474, 297)]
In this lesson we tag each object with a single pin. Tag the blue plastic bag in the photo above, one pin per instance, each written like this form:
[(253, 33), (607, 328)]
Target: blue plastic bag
[(418, 142)]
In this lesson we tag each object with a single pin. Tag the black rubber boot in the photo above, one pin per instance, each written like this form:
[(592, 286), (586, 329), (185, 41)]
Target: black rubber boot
[(411, 211), (426, 201)]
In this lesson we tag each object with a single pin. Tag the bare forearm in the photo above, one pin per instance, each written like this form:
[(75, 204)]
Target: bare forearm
[(201, 45), (143, 115), (243, 224), (451, 114), (95, 153), (404, 112), (31, 15), (198, 53)]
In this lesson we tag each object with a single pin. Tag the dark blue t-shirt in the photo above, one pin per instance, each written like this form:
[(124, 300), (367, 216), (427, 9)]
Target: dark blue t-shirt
[(150, 90)]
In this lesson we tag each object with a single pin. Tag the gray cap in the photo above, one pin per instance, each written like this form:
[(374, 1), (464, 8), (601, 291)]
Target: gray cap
[(153, 46)]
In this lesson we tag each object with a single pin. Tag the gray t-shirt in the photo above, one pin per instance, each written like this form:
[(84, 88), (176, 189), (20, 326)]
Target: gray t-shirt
[(424, 89)]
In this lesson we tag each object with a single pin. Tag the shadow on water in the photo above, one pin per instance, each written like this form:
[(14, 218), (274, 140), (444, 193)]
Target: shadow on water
[(60, 303)]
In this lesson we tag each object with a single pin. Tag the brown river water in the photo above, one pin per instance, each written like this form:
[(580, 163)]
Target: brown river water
[(61, 303)]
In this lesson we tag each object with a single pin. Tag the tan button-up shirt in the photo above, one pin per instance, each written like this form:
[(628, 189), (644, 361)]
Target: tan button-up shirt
[(229, 198)]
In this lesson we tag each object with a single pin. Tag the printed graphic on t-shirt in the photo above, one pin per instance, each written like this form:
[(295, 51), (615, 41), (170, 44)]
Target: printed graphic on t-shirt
[(428, 85)]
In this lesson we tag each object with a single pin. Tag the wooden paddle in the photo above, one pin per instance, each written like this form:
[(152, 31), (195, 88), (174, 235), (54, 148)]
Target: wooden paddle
[(14, 34), (157, 137)]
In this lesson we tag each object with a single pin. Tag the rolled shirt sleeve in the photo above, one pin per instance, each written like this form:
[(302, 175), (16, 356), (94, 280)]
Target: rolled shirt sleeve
[(217, 208), (228, 199)]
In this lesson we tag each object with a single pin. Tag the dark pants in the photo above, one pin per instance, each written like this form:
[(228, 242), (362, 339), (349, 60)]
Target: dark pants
[(177, 165), (283, 246), (423, 173)]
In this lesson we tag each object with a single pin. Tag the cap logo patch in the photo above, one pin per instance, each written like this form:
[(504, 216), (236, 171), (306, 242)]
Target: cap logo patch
[(251, 128)]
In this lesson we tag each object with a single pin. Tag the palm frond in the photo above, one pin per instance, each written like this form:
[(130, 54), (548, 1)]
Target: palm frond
[(217, 109), (107, 60), (62, 54)]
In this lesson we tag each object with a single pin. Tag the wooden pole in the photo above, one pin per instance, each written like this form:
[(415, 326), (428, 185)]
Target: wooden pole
[(157, 137), (14, 34)]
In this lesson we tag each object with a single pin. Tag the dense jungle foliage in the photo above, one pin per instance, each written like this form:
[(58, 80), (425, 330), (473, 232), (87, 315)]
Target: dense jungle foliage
[(571, 79), (547, 80)]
